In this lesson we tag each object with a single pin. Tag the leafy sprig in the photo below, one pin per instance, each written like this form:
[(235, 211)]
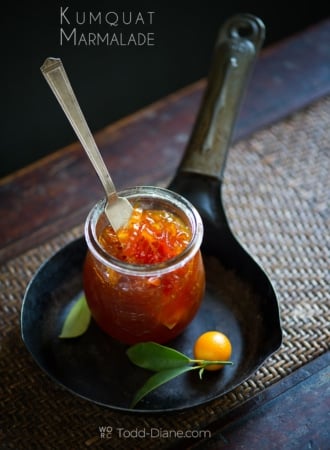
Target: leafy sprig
[(77, 320), (167, 362)]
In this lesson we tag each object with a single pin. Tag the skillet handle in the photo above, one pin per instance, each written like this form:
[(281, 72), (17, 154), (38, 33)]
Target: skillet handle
[(236, 49)]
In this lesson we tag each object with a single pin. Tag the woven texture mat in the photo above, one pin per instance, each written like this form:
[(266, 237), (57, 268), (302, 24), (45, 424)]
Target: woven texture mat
[(276, 191)]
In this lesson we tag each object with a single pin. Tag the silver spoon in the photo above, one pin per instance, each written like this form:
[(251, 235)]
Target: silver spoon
[(117, 209)]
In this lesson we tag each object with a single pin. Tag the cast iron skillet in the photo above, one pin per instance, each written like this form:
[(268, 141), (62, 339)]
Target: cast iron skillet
[(239, 299)]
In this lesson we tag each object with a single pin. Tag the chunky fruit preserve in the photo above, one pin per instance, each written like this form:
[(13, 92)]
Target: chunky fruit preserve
[(152, 284), (150, 237)]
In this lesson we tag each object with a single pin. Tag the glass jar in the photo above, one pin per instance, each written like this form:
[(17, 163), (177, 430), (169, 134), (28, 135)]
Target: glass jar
[(144, 302)]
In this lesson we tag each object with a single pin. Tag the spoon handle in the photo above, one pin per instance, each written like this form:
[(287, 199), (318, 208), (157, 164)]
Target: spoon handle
[(59, 83), (236, 49)]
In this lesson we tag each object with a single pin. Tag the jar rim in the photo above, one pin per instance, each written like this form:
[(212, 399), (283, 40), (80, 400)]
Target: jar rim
[(147, 192)]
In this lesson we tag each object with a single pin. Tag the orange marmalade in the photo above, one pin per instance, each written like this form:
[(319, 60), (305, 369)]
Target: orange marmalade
[(146, 304), (150, 237)]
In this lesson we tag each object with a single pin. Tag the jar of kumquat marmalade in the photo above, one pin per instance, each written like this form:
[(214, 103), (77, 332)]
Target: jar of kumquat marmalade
[(146, 282)]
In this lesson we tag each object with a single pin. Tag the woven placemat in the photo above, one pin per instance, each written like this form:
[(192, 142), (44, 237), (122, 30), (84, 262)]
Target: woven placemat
[(275, 194)]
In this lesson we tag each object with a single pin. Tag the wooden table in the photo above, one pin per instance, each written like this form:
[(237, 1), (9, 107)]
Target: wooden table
[(54, 194), (286, 78)]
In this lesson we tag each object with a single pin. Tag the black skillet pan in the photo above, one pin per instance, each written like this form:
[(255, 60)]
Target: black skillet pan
[(239, 299)]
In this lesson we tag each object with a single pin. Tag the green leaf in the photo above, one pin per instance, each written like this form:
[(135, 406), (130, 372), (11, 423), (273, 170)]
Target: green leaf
[(156, 357), (77, 320), (157, 380)]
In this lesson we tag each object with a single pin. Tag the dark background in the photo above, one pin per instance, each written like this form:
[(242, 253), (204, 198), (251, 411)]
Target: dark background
[(111, 82)]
